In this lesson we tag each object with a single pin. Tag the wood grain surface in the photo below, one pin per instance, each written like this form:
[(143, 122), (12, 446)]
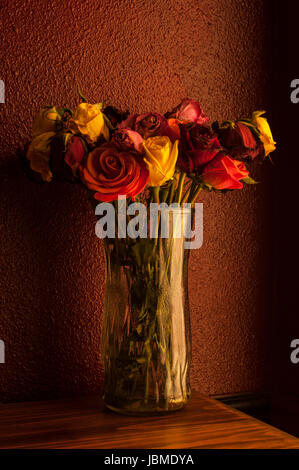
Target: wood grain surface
[(85, 423)]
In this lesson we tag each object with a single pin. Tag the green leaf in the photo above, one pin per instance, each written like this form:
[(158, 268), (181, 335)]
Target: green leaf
[(254, 130), (108, 122), (62, 111), (249, 180), (228, 123), (81, 95), (66, 138)]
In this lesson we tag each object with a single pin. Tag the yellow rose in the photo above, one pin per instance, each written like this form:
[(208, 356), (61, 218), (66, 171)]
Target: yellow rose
[(47, 120), (38, 154), (161, 157), (89, 121), (265, 132)]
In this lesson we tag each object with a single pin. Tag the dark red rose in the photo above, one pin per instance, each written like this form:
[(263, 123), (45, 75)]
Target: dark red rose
[(188, 110), (198, 145), (114, 115), (75, 153), (238, 140)]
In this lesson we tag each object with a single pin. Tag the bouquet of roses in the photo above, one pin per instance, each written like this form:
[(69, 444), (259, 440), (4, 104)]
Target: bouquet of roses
[(174, 155), (149, 158)]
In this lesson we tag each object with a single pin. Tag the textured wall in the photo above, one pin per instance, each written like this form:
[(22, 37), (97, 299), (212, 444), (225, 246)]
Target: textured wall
[(140, 55)]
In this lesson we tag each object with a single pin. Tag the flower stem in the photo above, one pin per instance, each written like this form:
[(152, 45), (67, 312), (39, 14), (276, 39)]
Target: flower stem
[(172, 189), (156, 190), (164, 194), (180, 187), (195, 194), (185, 197), (156, 199)]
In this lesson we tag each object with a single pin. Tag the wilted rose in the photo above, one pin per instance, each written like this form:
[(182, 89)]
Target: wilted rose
[(265, 132), (114, 115), (238, 139), (188, 110), (126, 139), (89, 121), (47, 120), (38, 154), (149, 125), (198, 145)]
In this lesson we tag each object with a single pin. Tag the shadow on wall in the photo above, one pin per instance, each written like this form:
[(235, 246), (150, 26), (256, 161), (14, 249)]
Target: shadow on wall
[(52, 280)]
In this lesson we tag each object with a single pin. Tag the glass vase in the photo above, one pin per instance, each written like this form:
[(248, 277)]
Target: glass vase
[(146, 339)]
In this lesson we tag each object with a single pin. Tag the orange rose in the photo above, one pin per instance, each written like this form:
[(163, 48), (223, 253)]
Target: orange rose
[(224, 172), (111, 173)]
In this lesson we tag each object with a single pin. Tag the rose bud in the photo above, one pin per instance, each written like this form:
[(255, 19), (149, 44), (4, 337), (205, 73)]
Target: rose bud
[(110, 173), (67, 152), (238, 139), (224, 172), (265, 133), (75, 153), (126, 139), (188, 110), (198, 145), (160, 157)]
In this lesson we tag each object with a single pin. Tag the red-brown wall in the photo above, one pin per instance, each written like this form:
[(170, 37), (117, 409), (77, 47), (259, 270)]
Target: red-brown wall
[(141, 55)]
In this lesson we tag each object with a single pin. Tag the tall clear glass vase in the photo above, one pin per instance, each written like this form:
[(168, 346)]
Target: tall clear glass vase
[(146, 338)]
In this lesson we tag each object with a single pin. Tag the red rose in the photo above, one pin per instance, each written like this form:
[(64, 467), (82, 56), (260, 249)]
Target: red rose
[(66, 154), (149, 125), (238, 139), (75, 153), (188, 110), (224, 173), (111, 172), (198, 145), (126, 139)]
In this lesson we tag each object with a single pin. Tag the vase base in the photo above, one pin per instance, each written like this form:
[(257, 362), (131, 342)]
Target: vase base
[(148, 409)]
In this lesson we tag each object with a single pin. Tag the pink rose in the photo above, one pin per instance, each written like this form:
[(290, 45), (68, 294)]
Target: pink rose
[(188, 110), (126, 139)]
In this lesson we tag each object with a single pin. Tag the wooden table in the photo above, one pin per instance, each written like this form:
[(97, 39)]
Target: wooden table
[(84, 423)]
